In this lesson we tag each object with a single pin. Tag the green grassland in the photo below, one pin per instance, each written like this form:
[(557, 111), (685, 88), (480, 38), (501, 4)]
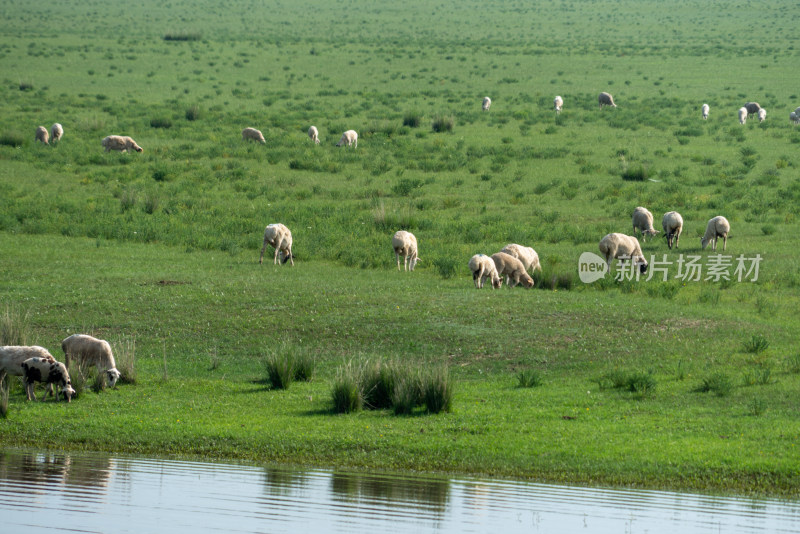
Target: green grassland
[(160, 249)]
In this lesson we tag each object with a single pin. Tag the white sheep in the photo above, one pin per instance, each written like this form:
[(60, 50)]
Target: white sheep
[(622, 247), (483, 267), (121, 143), (605, 99), (486, 103), (752, 107), (717, 227), (88, 350), (280, 238), (350, 137), (762, 115), (42, 135), (528, 256), (643, 221), (742, 115), (313, 133), (705, 110), (56, 131), (513, 269), (12, 356), (672, 223), (558, 102), (794, 117), (405, 243), (49, 372), (251, 134)]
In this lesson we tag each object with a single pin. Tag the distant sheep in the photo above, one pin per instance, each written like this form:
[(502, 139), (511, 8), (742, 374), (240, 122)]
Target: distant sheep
[(42, 135), (280, 238), (483, 267), (487, 102), (705, 110), (120, 143), (742, 115), (622, 247), (558, 102), (605, 99), (717, 227), (794, 117), (762, 115), (752, 107), (528, 256), (56, 132), (405, 243), (350, 137), (643, 221), (251, 134), (12, 356), (88, 350), (513, 269), (672, 223), (313, 133), (49, 372)]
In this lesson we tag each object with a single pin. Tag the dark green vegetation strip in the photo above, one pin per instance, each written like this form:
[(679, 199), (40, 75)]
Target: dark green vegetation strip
[(161, 247)]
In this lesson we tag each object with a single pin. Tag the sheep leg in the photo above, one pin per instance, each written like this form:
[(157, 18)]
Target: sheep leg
[(29, 391), (397, 256), (724, 242), (260, 258), (475, 278), (275, 259)]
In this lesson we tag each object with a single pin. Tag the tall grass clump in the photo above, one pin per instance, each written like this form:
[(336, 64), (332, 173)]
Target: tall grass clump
[(12, 139), (15, 327), (437, 390), (407, 393), (280, 370), (183, 36), (412, 119), (193, 113), (529, 378), (378, 384), (793, 363), (639, 382), (126, 361), (160, 122), (346, 392), (719, 383), (443, 124), (756, 344), (635, 173)]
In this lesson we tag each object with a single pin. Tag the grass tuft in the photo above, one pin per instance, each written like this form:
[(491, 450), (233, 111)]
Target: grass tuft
[(12, 139), (437, 389), (719, 383), (443, 124), (126, 360), (15, 327), (529, 378), (756, 344), (346, 391)]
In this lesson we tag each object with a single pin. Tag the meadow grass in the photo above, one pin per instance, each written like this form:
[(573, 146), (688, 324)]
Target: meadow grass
[(162, 246)]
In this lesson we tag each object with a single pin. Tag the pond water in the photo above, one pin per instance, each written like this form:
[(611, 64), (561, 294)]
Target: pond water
[(46, 492)]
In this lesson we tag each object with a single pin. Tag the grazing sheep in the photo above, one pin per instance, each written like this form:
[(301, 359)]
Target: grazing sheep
[(705, 110), (350, 137), (50, 372), (405, 243), (643, 221), (486, 103), (558, 102), (12, 356), (42, 135), (89, 350), (622, 247), (483, 267), (605, 99), (251, 134), (762, 115), (528, 256), (794, 117), (313, 133), (512, 268), (742, 115), (752, 107), (121, 143), (56, 131), (280, 238), (717, 227), (672, 222)]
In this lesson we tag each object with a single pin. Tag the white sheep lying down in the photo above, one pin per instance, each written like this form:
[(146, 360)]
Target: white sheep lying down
[(405, 244), (50, 372), (483, 267), (643, 221), (122, 143), (624, 248), (349, 138), (717, 227), (88, 350), (672, 223), (513, 269), (280, 238)]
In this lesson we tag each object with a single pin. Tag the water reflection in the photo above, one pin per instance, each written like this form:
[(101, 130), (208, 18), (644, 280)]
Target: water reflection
[(96, 493)]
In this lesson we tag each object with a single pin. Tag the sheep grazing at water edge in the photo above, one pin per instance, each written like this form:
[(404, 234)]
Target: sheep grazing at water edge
[(623, 248), (742, 115), (605, 99), (717, 227), (121, 143), (705, 109), (49, 372), (278, 237), (483, 267), (643, 221), (349, 138), (42, 135), (56, 132), (405, 244), (251, 134), (513, 269), (762, 115), (672, 223), (487, 102), (87, 350), (558, 102), (313, 133)]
